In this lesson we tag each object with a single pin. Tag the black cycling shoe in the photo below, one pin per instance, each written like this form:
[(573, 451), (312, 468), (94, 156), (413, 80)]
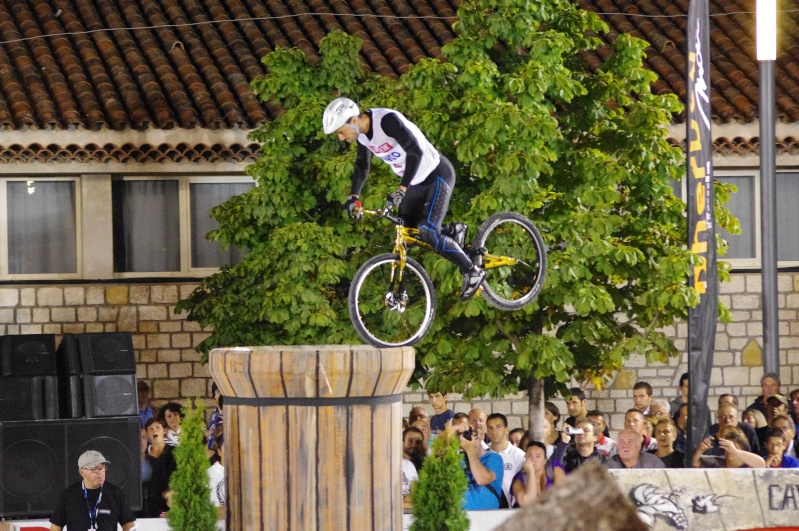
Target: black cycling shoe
[(472, 282), (456, 231)]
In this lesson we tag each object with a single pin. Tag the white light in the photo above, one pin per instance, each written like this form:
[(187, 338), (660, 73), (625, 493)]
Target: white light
[(766, 30)]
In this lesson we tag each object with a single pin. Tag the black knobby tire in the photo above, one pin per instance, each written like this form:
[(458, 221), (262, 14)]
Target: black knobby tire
[(513, 235), (375, 320)]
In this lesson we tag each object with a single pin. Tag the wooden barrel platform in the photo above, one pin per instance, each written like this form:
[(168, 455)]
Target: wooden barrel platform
[(313, 436)]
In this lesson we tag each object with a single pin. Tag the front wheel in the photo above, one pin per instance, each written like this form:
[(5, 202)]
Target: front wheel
[(392, 306), (514, 258)]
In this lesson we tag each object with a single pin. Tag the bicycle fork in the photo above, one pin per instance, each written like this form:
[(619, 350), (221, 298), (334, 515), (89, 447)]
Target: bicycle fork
[(397, 299)]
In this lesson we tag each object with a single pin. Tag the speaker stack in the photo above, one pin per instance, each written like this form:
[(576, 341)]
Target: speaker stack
[(55, 405), (97, 376), (29, 378)]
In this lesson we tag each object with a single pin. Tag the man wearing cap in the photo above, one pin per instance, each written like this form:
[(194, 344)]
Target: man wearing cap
[(92, 503), (776, 405)]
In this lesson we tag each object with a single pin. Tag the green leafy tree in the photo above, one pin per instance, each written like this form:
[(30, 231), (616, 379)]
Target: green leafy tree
[(437, 497), (539, 115), (191, 508)]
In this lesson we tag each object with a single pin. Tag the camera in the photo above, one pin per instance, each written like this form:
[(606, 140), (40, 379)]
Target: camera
[(574, 431), (468, 435), (715, 443)]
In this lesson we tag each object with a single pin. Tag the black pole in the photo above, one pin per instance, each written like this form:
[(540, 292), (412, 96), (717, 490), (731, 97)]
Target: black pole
[(768, 219)]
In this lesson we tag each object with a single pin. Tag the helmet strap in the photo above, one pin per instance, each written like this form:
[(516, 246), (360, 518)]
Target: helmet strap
[(351, 126)]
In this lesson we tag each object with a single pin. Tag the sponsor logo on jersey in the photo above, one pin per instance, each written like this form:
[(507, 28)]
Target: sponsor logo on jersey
[(382, 148)]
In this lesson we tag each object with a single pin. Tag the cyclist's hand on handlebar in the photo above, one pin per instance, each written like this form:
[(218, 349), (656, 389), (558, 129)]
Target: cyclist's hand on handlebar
[(395, 198), (354, 207)]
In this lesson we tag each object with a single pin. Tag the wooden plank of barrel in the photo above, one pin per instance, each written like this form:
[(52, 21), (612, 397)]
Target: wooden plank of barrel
[(317, 436)]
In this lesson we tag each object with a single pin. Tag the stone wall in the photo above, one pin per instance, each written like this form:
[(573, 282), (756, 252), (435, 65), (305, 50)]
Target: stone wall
[(165, 341)]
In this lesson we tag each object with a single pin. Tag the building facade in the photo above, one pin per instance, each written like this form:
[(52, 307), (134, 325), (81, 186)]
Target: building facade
[(122, 124)]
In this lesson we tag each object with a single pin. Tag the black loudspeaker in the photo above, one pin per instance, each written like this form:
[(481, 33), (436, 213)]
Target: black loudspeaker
[(50, 392), (22, 398), (28, 355), (110, 395), (38, 460), (68, 355), (107, 353), (70, 378), (70, 396)]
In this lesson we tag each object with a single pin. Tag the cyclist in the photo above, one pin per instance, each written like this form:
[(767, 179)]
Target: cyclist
[(427, 178)]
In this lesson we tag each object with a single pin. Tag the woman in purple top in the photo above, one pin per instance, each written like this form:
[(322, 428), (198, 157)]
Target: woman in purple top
[(536, 475)]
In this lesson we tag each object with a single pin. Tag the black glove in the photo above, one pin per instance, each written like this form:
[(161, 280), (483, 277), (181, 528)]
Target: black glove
[(395, 198), (353, 206)]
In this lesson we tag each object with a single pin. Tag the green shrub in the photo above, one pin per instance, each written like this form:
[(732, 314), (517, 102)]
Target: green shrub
[(437, 497), (191, 508)]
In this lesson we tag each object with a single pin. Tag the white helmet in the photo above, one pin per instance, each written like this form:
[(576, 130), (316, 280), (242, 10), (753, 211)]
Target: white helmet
[(337, 113)]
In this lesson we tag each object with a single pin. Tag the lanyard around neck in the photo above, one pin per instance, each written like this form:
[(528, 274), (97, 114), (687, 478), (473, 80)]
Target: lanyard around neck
[(92, 513)]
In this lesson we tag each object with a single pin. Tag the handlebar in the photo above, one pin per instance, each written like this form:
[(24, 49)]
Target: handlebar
[(384, 212)]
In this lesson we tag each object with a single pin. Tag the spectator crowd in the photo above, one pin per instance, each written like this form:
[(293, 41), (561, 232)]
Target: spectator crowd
[(504, 468), (160, 435)]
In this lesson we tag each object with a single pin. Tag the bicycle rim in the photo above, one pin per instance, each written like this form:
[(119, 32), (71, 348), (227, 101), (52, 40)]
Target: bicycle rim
[(385, 315), (510, 237)]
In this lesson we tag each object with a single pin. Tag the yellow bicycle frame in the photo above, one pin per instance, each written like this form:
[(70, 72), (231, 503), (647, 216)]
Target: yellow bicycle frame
[(406, 236)]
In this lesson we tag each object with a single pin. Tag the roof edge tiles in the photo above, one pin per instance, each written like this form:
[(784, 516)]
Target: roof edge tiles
[(129, 153)]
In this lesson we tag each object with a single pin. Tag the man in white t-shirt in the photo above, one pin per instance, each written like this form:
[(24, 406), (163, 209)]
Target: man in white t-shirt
[(512, 456)]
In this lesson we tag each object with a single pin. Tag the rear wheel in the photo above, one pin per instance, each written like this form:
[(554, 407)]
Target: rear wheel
[(514, 258), (390, 307)]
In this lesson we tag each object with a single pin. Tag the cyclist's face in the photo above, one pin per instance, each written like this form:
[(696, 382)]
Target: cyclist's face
[(347, 133)]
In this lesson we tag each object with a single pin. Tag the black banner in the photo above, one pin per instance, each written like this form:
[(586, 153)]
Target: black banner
[(701, 224)]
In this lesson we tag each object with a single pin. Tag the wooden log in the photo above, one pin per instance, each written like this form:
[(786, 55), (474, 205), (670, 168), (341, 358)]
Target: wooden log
[(312, 436)]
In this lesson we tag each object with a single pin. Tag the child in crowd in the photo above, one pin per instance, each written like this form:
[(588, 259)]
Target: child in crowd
[(775, 448)]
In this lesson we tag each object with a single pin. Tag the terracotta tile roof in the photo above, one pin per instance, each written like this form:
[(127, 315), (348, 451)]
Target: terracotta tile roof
[(78, 64), (734, 69), (187, 65), (744, 146), (130, 153)]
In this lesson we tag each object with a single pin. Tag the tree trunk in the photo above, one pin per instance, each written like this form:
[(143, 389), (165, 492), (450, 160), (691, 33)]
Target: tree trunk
[(535, 396)]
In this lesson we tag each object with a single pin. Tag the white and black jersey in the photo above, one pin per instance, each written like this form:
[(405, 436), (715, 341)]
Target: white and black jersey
[(397, 142), (426, 174)]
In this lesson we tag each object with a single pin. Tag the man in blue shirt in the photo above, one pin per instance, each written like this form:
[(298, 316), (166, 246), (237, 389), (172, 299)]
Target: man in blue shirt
[(484, 470)]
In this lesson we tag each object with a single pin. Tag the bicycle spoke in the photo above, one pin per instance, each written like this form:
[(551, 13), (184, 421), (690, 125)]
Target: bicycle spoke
[(386, 315), (515, 260)]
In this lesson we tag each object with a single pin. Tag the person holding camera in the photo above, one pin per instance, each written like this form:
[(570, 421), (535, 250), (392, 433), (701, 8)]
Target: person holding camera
[(583, 448), (728, 418), (733, 442), (484, 469)]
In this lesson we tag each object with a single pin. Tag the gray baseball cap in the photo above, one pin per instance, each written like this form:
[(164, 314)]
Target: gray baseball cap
[(91, 458)]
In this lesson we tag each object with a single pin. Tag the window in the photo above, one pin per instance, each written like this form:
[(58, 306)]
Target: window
[(160, 224), (39, 227), (742, 206), (205, 196), (146, 225), (744, 252), (787, 216)]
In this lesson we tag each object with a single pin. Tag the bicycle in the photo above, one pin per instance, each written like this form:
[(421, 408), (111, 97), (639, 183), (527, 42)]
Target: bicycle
[(392, 301)]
